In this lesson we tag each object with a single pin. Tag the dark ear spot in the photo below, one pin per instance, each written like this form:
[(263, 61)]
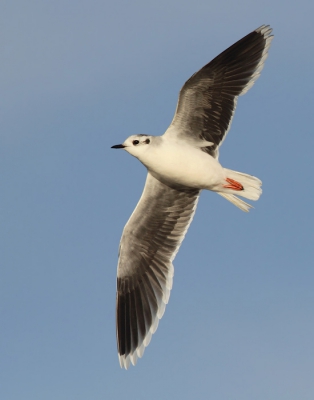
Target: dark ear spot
[(147, 141)]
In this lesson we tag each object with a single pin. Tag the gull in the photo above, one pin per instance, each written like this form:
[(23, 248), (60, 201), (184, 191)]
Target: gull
[(181, 163)]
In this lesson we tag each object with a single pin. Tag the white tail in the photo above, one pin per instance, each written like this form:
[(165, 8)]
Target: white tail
[(251, 189)]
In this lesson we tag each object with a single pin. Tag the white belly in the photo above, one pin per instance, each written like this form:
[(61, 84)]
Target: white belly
[(184, 165)]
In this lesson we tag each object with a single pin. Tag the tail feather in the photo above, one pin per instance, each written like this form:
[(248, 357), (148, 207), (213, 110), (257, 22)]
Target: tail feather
[(251, 189), (236, 201)]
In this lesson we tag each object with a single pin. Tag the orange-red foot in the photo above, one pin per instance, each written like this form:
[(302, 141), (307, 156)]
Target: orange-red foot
[(233, 184)]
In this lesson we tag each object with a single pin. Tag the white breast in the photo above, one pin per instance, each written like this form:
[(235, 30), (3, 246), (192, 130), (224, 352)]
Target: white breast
[(183, 164)]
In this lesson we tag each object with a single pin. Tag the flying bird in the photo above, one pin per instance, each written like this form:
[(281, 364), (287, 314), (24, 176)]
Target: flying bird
[(181, 163)]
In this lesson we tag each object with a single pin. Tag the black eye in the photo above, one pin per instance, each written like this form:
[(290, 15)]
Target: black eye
[(135, 142), (147, 141)]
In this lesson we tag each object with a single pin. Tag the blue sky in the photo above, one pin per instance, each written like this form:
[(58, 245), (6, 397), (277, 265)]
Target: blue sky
[(80, 76)]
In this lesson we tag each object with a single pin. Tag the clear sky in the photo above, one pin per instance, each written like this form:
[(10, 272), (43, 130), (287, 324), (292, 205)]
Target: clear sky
[(80, 76)]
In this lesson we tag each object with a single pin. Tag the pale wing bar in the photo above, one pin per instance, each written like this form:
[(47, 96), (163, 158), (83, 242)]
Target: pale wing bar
[(207, 101), (149, 243)]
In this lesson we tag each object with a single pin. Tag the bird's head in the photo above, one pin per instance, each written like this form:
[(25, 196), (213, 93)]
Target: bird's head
[(135, 144)]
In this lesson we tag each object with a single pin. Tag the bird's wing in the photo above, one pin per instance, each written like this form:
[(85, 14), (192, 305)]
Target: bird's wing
[(149, 243), (207, 101)]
